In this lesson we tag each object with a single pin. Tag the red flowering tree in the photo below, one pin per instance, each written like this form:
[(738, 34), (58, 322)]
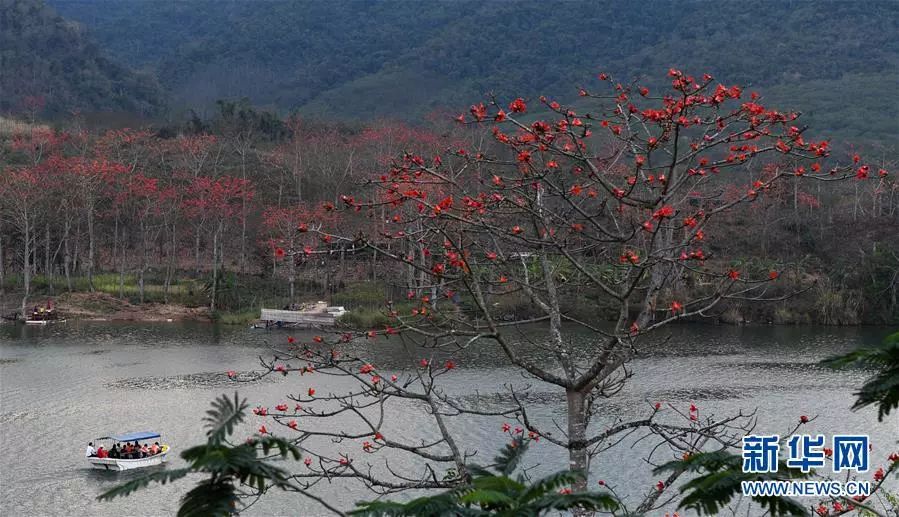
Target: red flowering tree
[(20, 197), (220, 201), (289, 240), (579, 217), (144, 202)]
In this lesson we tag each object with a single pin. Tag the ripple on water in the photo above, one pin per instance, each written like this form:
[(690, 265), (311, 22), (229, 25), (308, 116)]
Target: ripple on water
[(184, 381), (96, 352)]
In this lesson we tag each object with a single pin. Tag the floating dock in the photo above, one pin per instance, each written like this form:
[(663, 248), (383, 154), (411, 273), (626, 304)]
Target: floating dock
[(312, 315)]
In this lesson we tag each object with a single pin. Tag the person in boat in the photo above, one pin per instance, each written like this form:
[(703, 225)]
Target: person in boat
[(154, 449), (102, 453), (114, 452), (90, 450), (144, 451)]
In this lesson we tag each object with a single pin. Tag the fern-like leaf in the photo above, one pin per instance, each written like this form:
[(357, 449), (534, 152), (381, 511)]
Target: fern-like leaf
[(882, 388), (719, 479), (223, 417), (134, 485)]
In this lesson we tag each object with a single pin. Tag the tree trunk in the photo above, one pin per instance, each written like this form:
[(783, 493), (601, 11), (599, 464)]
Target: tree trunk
[(47, 269), (2, 268), (67, 260), (292, 273), (26, 266), (197, 253), (122, 266), (90, 249), (577, 432), (171, 266), (243, 215), (143, 261), (215, 248)]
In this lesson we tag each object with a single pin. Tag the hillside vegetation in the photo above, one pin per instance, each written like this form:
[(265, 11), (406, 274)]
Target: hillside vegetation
[(49, 65), (359, 60)]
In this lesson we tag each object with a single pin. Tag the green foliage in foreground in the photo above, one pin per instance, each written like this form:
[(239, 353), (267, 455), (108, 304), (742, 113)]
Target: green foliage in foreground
[(227, 466), (882, 388), (498, 493), (719, 475)]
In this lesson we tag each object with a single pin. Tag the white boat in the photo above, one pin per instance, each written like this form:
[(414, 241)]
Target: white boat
[(42, 322), (118, 464)]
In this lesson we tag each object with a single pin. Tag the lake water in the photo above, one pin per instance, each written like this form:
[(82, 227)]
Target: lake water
[(66, 384)]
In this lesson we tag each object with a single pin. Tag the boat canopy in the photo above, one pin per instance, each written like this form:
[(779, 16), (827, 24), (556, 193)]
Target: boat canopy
[(132, 437)]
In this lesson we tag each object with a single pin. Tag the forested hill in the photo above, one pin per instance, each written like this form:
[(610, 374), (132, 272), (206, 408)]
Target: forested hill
[(48, 64), (836, 61)]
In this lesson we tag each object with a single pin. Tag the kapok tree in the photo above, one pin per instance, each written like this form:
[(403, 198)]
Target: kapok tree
[(221, 201), (288, 237), (605, 211)]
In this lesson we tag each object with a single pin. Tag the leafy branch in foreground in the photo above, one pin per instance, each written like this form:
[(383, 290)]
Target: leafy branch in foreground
[(498, 493), (719, 479), (226, 465), (883, 388)]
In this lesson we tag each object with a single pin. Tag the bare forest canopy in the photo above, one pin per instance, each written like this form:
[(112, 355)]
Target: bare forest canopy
[(835, 61)]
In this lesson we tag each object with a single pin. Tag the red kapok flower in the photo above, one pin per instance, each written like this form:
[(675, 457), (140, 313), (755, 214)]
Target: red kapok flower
[(311, 392), (518, 106)]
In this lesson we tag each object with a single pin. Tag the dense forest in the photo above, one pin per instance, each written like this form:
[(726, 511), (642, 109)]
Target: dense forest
[(358, 60), (51, 67), (213, 212), (187, 195)]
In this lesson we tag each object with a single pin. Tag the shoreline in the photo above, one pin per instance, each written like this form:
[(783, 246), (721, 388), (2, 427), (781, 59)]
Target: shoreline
[(99, 307), (104, 307)]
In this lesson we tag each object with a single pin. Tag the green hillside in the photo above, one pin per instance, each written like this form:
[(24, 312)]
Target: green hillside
[(48, 63), (355, 59)]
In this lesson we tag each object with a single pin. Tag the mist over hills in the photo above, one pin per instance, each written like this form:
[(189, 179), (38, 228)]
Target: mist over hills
[(835, 61)]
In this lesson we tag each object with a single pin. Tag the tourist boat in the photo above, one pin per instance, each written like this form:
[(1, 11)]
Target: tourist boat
[(43, 322), (117, 464), (43, 317)]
